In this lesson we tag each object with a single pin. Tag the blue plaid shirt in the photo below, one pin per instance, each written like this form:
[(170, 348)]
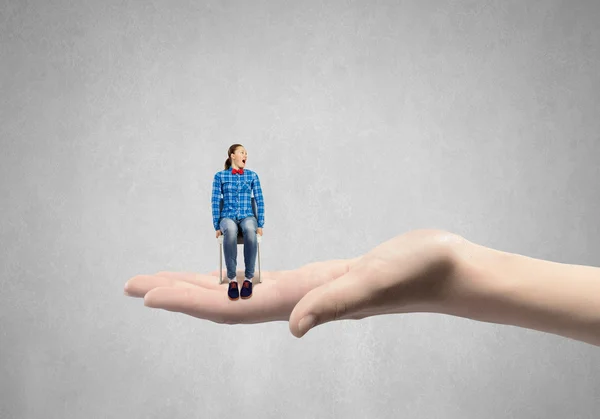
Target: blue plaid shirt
[(236, 192)]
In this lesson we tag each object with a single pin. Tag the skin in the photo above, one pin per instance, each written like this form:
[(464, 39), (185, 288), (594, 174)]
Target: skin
[(420, 271), (238, 161)]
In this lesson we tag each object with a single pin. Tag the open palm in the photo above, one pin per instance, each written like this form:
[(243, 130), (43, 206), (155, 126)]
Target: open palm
[(201, 296)]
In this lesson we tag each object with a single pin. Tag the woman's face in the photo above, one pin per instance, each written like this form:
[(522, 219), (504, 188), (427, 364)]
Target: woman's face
[(239, 157)]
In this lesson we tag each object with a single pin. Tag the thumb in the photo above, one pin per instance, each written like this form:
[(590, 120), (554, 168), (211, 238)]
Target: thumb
[(335, 300)]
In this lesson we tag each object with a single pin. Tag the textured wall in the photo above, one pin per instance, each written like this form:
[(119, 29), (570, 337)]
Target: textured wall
[(364, 120)]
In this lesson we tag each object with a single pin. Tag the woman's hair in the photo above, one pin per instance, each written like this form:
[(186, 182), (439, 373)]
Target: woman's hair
[(229, 153)]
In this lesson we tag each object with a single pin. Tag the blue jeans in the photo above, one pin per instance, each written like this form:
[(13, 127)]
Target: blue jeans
[(229, 228)]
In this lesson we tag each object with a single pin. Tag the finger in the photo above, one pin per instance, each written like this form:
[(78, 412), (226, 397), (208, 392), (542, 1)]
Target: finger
[(335, 300), (201, 280), (139, 285), (212, 305), (197, 302)]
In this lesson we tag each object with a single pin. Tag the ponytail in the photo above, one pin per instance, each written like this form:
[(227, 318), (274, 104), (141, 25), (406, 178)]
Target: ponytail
[(229, 153)]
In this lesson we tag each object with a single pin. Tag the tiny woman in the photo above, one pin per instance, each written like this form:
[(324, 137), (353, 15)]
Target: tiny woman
[(236, 184)]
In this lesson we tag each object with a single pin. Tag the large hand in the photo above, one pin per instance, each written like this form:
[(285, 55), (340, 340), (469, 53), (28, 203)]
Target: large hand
[(404, 274), (420, 271), (201, 296)]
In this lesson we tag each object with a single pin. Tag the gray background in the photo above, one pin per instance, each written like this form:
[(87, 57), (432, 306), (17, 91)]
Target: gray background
[(364, 120)]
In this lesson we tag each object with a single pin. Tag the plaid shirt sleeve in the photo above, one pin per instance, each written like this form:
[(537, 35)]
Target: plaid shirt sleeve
[(216, 197), (260, 202)]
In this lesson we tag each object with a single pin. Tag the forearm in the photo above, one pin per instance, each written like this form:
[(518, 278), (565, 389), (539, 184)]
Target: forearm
[(215, 212), (504, 288)]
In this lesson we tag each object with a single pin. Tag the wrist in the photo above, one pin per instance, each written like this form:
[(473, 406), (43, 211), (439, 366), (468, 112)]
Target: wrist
[(473, 286), (504, 288)]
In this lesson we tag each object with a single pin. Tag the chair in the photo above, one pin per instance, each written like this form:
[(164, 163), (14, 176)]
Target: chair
[(240, 240)]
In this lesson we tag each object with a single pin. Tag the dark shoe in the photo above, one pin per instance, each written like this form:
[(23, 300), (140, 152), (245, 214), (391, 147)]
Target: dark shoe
[(233, 293), (246, 290)]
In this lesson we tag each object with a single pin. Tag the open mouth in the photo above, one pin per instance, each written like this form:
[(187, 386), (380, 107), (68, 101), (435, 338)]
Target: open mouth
[(244, 161)]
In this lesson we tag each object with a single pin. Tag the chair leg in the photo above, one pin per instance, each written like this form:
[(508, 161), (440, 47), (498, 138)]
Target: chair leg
[(259, 278), (220, 263)]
